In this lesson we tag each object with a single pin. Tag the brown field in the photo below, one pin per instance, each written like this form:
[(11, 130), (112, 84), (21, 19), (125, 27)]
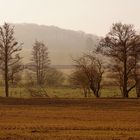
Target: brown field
[(69, 119)]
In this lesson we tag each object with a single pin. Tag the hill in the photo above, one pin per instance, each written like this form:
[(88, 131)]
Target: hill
[(62, 44)]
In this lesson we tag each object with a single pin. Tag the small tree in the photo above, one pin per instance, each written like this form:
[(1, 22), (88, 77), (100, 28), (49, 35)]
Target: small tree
[(79, 79), (40, 62), (9, 52), (92, 67), (122, 45), (54, 77)]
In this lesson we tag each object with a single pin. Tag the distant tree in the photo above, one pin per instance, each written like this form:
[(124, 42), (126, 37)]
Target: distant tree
[(15, 75), (9, 52), (40, 62), (92, 67), (30, 80), (54, 77), (122, 45), (78, 79), (31, 88)]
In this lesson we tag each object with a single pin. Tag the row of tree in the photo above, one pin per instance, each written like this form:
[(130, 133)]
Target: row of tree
[(39, 71), (121, 50)]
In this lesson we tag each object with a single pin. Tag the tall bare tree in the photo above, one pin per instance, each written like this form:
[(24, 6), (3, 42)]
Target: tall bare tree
[(9, 52), (122, 45), (92, 67), (40, 61)]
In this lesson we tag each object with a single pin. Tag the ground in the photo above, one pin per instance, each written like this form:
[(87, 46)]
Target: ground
[(69, 119)]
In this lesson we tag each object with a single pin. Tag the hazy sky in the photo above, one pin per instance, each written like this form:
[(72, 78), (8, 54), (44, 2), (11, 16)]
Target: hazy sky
[(92, 16)]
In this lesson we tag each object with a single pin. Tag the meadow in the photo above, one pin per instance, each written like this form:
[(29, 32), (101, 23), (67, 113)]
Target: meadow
[(66, 92), (69, 119)]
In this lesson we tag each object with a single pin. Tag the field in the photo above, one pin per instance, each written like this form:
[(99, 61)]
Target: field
[(69, 119), (65, 92)]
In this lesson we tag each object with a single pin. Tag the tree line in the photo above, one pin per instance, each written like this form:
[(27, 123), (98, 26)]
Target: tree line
[(121, 48), (118, 52), (11, 64)]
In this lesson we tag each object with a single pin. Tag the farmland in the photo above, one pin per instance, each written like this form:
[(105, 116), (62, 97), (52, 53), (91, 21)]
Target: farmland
[(69, 119)]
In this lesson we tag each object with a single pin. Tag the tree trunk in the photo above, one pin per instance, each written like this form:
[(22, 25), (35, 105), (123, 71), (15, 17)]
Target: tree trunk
[(6, 85), (94, 91), (138, 88), (6, 74), (85, 92), (125, 93), (97, 95)]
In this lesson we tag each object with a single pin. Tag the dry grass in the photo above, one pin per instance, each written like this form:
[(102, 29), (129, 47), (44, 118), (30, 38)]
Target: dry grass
[(70, 119)]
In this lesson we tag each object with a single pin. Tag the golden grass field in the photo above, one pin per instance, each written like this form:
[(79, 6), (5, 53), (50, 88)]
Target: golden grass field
[(69, 119)]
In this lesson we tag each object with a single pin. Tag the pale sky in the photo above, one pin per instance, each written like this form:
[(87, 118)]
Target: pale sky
[(91, 16)]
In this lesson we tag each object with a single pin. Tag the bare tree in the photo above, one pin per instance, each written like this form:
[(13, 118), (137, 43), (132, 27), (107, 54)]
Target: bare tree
[(122, 45), (92, 66), (9, 52), (40, 61), (54, 77), (78, 79)]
